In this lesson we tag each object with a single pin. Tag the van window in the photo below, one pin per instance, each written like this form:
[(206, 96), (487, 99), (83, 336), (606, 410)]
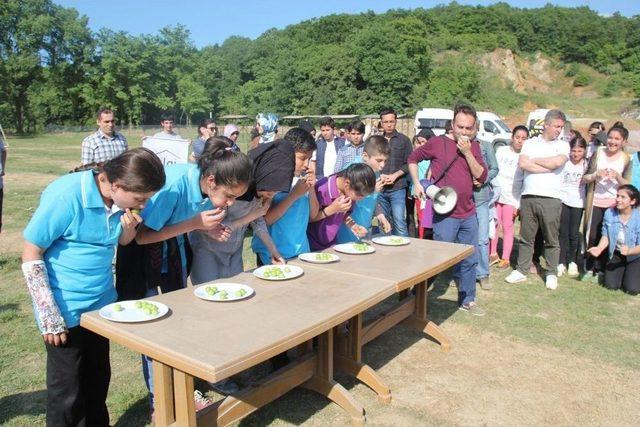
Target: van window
[(432, 123), (489, 126), (503, 126)]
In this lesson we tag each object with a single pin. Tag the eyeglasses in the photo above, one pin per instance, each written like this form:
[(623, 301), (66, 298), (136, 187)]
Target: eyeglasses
[(213, 129)]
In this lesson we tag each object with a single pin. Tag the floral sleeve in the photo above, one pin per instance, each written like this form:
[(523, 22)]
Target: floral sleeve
[(50, 320)]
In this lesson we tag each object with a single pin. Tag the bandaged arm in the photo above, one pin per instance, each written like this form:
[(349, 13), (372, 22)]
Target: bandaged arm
[(50, 320)]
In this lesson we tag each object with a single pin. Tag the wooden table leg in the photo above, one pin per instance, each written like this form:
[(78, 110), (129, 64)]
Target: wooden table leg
[(420, 321), (164, 413), (322, 382), (234, 408), (185, 403), (350, 362)]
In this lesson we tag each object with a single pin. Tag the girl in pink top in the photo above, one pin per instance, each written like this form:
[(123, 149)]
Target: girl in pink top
[(608, 168)]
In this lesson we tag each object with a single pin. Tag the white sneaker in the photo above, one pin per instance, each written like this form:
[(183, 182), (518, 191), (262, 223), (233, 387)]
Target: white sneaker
[(561, 270), (551, 282), (515, 277), (572, 271)]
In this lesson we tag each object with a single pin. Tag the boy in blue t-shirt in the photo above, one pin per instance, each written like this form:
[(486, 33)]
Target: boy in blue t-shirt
[(375, 154), (288, 216)]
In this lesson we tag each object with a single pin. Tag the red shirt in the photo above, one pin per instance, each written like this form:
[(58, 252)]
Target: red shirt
[(441, 151)]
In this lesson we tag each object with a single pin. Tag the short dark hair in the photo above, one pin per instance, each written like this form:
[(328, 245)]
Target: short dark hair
[(377, 145), (300, 139), (362, 178), (167, 116), (597, 125), (327, 121), (306, 125), (465, 109), (358, 126), (205, 123), (387, 111), (103, 110)]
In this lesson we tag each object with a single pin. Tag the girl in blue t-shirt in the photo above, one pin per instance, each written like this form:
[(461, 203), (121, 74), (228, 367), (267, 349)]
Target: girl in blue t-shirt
[(68, 252), (288, 215), (195, 197)]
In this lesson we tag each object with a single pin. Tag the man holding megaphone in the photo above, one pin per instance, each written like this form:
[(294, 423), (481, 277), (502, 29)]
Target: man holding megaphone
[(455, 163)]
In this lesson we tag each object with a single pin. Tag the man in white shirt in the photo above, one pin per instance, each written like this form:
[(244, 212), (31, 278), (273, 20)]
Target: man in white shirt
[(541, 161)]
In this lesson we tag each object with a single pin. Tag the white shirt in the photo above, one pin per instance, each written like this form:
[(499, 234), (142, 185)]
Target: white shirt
[(330, 156), (572, 191), (545, 184), (507, 166)]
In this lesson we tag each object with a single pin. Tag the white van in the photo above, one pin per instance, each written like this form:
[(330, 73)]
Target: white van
[(535, 121), (432, 118), (493, 129)]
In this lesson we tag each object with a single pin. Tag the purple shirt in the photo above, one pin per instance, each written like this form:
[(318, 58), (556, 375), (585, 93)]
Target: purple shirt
[(441, 151), (323, 233)]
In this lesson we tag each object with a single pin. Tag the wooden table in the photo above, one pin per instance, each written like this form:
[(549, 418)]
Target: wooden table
[(214, 341), (404, 266)]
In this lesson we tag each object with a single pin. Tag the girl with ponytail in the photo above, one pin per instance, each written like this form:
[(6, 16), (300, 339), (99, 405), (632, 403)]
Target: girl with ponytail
[(195, 197), (68, 251)]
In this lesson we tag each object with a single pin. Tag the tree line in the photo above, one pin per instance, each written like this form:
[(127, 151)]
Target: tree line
[(54, 69)]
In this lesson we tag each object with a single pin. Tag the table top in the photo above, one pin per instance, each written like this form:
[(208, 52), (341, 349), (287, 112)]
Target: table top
[(214, 340), (404, 265)]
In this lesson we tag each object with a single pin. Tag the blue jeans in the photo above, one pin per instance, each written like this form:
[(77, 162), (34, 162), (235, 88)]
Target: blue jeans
[(465, 231), (482, 245), (394, 208)]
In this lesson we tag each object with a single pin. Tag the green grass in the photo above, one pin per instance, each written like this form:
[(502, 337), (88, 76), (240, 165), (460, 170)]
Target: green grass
[(580, 319)]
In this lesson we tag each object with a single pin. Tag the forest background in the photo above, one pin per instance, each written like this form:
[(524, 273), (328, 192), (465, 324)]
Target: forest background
[(55, 71)]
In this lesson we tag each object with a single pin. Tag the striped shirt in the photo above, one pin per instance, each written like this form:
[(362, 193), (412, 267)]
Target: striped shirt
[(99, 147)]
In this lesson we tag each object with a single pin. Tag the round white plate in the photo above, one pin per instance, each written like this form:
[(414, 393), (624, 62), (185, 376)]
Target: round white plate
[(288, 272), (131, 313), (391, 240), (355, 248), (231, 289), (319, 257)]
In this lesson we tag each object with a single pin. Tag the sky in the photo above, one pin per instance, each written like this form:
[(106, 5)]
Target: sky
[(211, 22)]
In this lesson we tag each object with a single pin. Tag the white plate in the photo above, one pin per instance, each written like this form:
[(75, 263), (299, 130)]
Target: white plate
[(352, 248), (131, 313), (391, 240), (230, 288), (288, 272), (313, 257)]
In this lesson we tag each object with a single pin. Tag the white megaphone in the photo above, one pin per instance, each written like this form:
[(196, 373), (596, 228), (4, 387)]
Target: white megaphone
[(444, 199)]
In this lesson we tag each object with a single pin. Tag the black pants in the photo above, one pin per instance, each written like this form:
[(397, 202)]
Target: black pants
[(410, 206), (569, 234), (78, 375), (595, 233), (1, 197), (621, 273)]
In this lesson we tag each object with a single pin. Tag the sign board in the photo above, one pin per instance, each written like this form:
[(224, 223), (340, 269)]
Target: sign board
[(170, 151)]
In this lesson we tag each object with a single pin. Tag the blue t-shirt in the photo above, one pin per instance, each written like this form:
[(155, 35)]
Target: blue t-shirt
[(289, 232), (180, 199), (79, 237)]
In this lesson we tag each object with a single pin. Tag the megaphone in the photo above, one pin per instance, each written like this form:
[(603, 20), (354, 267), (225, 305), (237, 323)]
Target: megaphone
[(444, 199)]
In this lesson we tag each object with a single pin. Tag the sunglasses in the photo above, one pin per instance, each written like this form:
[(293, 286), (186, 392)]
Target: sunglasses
[(213, 129)]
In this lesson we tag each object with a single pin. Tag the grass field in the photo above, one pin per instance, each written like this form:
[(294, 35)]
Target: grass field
[(567, 357)]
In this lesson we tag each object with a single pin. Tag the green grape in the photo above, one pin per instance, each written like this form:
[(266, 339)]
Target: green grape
[(287, 270), (138, 304), (118, 307)]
